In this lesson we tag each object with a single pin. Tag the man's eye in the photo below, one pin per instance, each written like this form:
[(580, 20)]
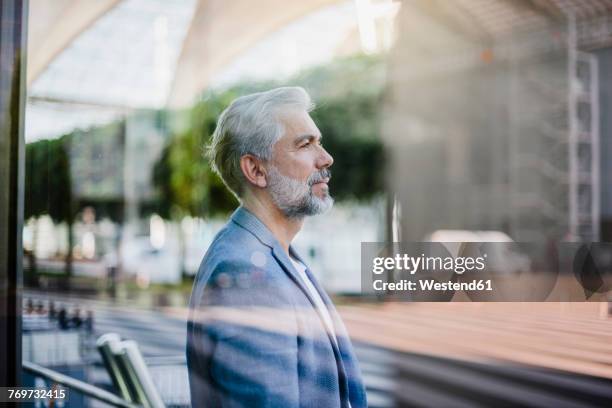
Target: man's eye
[(311, 143)]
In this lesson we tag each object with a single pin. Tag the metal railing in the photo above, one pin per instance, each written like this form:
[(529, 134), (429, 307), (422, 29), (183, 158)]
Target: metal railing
[(77, 385)]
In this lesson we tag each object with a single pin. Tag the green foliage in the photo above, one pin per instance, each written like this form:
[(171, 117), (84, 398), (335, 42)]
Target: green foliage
[(350, 129), (52, 171), (48, 190), (183, 177), (48, 185)]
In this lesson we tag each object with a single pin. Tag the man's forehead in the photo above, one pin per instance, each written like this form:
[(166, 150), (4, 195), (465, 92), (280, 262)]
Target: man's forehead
[(298, 125)]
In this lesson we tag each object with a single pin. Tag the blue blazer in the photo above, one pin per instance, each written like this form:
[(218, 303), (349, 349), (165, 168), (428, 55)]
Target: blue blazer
[(254, 336)]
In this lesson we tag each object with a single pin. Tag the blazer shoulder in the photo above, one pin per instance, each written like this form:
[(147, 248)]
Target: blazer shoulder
[(234, 249)]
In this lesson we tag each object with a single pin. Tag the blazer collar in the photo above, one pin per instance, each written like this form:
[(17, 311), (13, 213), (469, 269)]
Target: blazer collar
[(250, 222)]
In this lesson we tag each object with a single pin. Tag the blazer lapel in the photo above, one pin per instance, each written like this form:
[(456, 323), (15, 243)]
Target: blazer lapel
[(342, 349), (287, 265)]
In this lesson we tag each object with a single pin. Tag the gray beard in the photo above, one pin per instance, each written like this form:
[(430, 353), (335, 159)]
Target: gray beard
[(294, 198)]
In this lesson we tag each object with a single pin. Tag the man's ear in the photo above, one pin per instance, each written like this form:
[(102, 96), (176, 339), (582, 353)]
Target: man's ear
[(254, 170)]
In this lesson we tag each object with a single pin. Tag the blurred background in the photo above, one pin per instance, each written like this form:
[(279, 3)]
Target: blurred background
[(466, 119)]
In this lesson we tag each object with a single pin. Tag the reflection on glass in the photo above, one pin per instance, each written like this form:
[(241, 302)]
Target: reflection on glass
[(459, 119)]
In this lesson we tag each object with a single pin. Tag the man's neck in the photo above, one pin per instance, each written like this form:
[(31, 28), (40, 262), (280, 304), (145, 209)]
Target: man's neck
[(283, 228)]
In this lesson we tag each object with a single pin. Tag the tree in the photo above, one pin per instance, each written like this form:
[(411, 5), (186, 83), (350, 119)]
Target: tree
[(48, 190), (183, 177)]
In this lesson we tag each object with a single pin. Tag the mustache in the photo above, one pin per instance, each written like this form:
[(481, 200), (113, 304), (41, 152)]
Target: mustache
[(319, 176)]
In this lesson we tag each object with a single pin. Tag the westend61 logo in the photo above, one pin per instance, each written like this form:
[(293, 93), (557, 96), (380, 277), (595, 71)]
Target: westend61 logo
[(487, 271)]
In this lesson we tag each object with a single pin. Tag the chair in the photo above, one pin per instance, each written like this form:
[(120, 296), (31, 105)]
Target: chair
[(128, 370)]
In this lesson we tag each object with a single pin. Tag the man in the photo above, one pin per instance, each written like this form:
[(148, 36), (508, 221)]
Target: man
[(262, 332)]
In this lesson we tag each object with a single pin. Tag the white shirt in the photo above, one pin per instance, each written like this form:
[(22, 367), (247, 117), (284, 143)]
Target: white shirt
[(329, 326), (301, 269)]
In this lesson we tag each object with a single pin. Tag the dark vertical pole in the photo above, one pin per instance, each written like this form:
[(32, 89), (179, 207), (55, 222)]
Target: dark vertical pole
[(13, 25)]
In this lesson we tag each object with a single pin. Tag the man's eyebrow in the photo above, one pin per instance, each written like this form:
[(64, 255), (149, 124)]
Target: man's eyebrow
[(308, 137)]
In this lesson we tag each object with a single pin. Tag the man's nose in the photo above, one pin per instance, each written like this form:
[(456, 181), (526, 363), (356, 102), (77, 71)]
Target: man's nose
[(325, 160)]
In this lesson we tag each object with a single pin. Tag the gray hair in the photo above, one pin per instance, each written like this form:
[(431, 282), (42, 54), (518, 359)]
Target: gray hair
[(251, 124)]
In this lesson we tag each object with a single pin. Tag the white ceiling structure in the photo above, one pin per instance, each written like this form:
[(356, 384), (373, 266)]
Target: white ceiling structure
[(91, 60)]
